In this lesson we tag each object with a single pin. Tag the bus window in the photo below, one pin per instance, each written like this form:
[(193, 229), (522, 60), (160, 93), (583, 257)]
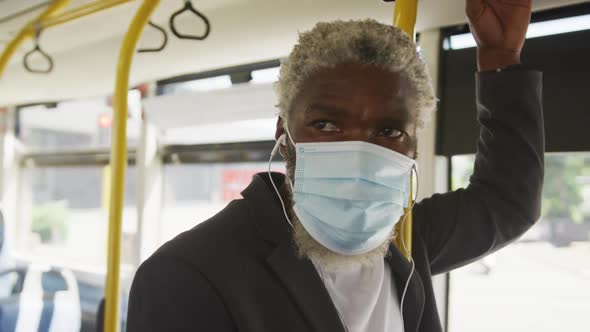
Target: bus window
[(75, 124), (540, 283), (195, 192), (64, 215)]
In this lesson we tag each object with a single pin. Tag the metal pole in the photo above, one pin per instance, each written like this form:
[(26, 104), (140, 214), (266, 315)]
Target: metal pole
[(119, 162), (28, 32), (404, 17), (81, 11)]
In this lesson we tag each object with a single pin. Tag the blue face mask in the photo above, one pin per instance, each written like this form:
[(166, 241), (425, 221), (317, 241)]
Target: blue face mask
[(349, 195)]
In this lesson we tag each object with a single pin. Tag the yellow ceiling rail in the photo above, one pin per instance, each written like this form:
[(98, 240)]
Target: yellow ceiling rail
[(119, 161), (29, 31), (50, 18), (81, 11), (404, 17)]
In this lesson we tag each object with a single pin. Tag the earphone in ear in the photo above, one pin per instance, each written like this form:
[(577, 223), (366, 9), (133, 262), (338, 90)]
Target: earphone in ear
[(280, 141)]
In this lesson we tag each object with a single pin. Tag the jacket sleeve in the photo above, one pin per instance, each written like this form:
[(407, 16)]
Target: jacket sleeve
[(170, 295), (503, 199)]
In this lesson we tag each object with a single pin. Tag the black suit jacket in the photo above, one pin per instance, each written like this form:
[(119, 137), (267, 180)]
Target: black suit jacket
[(239, 271)]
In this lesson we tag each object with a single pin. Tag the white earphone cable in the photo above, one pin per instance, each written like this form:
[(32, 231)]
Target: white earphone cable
[(272, 154), (406, 248)]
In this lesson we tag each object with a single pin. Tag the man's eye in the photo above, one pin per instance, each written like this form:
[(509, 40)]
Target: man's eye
[(391, 133), (325, 126)]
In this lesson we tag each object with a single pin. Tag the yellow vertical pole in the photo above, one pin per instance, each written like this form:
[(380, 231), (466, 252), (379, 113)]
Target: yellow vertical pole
[(404, 227), (404, 17), (28, 31), (119, 161)]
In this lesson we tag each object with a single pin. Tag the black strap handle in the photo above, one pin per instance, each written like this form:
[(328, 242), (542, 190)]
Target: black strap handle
[(164, 40), (188, 6), (37, 49)]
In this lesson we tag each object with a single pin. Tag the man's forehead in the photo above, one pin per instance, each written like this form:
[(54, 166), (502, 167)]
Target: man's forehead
[(337, 87), (352, 87), (346, 75)]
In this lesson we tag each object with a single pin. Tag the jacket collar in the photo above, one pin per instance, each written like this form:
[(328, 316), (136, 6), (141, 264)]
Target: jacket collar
[(265, 208), (299, 275)]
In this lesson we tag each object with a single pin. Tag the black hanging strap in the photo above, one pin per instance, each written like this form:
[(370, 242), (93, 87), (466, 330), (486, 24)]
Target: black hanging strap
[(37, 49), (164, 40), (188, 7)]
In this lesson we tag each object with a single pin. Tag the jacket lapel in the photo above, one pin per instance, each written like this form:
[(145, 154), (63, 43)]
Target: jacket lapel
[(302, 281), (299, 276), (414, 300)]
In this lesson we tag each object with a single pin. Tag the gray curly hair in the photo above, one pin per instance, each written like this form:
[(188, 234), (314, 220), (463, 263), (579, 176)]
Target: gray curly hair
[(364, 42)]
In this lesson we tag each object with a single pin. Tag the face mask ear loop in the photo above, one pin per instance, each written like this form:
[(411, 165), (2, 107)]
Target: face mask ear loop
[(415, 172), (280, 141)]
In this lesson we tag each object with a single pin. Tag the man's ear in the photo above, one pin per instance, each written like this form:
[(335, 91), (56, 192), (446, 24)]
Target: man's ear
[(280, 131)]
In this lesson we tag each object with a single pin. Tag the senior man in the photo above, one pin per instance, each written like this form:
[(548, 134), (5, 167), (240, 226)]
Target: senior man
[(312, 250)]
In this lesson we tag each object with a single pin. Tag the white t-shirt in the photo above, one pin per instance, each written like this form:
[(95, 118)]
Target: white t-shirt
[(365, 297)]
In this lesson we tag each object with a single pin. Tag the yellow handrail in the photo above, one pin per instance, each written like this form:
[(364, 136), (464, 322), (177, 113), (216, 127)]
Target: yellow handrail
[(28, 32), (50, 18), (119, 161), (82, 11), (404, 17)]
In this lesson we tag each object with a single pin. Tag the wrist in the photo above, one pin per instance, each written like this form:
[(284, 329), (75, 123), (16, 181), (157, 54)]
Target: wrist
[(488, 59)]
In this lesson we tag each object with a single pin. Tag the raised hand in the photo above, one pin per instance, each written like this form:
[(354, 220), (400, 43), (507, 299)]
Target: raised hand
[(499, 28)]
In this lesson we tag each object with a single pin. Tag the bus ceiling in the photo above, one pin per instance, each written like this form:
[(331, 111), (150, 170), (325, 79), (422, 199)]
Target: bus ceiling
[(237, 38)]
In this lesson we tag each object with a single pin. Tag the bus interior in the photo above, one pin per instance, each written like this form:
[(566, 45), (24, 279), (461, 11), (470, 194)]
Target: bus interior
[(200, 122)]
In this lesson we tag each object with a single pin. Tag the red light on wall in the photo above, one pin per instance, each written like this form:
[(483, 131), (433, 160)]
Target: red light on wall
[(104, 121)]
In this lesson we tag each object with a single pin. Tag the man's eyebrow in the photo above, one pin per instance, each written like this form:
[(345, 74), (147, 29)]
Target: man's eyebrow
[(396, 119), (326, 109)]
